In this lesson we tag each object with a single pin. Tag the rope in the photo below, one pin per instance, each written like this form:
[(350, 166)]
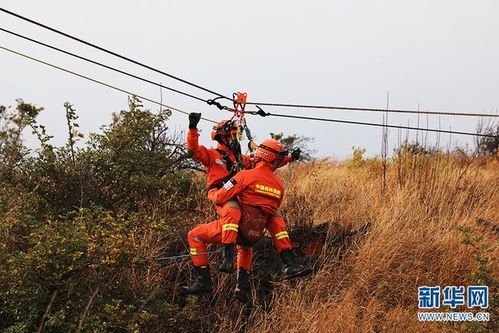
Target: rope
[(184, 256), (100, 82), (375, 124), (101, 64), (181, 256), (260, 112), (375, 110), (290, 174), (112, 53), (289, 105)]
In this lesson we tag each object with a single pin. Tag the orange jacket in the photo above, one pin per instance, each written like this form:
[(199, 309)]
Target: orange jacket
[(255, 187), (213, 161)]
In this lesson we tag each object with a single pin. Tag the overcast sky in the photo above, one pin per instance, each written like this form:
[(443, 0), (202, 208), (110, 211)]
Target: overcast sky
[(441, 54)]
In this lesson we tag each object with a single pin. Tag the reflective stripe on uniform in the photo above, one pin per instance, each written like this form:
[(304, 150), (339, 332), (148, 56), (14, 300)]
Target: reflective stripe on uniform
[(230, 226), (281, 235), (193, 251)]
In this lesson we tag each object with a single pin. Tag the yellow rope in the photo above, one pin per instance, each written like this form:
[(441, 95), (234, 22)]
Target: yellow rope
[(100, 82)]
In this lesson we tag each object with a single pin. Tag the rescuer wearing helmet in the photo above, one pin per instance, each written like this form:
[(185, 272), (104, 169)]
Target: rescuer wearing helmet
[(221, 164), (259, 193)]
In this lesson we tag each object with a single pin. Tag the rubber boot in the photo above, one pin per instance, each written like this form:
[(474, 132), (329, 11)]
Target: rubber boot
[(203, 284), (229, 257), (242, 291), (292, 268)]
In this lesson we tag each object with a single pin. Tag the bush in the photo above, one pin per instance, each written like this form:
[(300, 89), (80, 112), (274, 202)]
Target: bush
[(76, 262), (487, 146), (76, 221)]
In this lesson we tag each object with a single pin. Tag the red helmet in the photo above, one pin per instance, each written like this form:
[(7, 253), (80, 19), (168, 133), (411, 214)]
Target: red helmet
[(222, 128), (271, 150)]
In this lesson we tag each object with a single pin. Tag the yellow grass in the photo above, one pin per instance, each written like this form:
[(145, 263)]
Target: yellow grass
[(416, 238), (414, 241)]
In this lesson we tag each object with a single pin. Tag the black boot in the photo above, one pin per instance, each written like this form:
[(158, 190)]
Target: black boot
[(292, 268), (202, 286), (228, 256), (242, 291)]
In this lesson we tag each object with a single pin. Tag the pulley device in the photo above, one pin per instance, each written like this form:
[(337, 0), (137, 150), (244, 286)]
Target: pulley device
[(237, 125), (239, 112)]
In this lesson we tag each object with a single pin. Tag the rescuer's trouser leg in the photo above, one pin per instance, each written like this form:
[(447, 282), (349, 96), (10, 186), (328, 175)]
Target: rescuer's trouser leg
[(244, 257), (203, 234), (199, 237), (230, 215), (242, 291), (279, 233), (203, 284)]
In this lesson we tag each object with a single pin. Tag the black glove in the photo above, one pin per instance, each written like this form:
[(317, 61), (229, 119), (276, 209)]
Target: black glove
[(295, 154), (194, 119)]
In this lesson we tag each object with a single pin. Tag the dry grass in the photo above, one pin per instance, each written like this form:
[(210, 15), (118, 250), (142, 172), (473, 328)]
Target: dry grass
[(414, 241)]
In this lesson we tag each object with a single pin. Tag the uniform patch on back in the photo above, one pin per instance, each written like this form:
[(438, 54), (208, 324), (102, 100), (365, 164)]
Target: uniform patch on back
[(273, 192), (230, 184)]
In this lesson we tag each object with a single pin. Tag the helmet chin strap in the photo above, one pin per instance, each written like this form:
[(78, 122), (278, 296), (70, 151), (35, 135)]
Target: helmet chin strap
[(224, 141), (273, 164), (276, 165)]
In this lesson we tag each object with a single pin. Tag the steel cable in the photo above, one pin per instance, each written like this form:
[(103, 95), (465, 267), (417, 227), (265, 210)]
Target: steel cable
[(113, 53), (100, 82), (346, 108), (289, 105), (261, 112), (101, 64), (378, 125)]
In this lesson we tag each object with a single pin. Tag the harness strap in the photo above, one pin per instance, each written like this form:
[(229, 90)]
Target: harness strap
[(231, 167), (228, 161)]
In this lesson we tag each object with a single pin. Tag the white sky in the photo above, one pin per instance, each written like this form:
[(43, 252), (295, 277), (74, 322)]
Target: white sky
[(442, 54)]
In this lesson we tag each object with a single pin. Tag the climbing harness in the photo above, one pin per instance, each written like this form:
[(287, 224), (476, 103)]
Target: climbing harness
[(231, 167)]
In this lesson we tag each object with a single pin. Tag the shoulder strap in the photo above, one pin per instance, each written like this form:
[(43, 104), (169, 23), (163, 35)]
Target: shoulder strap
[(228, 162), (231, 167)]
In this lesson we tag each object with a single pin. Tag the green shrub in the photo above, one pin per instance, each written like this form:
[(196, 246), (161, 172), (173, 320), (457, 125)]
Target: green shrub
[(75, 221)]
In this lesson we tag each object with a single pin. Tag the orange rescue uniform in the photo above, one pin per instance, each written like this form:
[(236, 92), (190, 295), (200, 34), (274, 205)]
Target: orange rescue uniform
[(217, 171), (258, 187), (211, 159)]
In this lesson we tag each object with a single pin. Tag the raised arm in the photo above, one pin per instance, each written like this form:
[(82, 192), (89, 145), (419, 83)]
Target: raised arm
[(196, 151)]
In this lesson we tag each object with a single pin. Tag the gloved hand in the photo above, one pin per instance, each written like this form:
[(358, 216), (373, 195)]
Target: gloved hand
[(194, 119), (295, 154)]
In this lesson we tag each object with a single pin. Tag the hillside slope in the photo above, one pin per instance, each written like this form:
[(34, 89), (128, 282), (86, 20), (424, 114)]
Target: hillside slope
[(82, 227)]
